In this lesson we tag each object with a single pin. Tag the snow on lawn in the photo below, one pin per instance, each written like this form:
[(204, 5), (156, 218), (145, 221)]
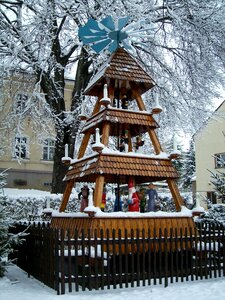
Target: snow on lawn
[(16, 285), (23, 192)]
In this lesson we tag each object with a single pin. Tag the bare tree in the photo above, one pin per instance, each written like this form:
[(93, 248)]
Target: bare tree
[(180, 43)]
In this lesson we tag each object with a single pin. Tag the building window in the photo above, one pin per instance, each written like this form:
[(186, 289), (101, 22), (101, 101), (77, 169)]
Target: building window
[(220, 160), (20, 102), (48, 149), (211, 196), (21, 147)]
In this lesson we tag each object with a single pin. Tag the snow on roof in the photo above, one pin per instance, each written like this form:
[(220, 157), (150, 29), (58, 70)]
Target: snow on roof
[(205, 123), (100, 214), (161, 155)]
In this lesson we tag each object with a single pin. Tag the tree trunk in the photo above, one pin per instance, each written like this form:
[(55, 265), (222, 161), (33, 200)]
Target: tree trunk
[(65, 133), (54, 97), (59, 169)]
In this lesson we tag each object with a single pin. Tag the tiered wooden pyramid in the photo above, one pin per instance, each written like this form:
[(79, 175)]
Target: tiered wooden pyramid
[(125, 79)]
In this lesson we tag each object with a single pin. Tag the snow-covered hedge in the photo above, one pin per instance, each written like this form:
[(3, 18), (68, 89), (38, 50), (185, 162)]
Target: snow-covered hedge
[(214, 215), (29, 205)]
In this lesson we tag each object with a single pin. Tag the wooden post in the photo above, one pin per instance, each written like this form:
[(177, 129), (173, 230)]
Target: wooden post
[(111, 89), (151, 132), (155, 141), (87, 135), (105, 133), (129, 139), (175, 194), (106, 125), (130, 142), (135, 91), (66, 195), (99, 183), (83, 145)]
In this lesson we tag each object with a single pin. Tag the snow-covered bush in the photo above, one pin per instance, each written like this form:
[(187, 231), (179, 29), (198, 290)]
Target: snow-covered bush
[(218, 181), (29, 205), (7, 240), (214, 215)]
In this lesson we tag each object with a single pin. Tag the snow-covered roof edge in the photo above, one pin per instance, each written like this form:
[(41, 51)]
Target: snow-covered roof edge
[(205, 123)]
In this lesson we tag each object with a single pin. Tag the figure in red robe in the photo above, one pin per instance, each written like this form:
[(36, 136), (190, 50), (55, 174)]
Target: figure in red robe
[(133, 199)]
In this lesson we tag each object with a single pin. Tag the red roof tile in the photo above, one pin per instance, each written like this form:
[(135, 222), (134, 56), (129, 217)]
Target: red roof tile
[(120, 66), (142, 120), (120, 166)]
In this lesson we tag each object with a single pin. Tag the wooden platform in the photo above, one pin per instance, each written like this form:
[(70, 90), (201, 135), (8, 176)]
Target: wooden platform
[(154, 225)]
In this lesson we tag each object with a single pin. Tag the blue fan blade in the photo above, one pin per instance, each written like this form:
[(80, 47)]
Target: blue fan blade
[(108, 23), (122, 22), (100, 45), (93, 24), (104, 33), (91, 30), (85, 31), (113, 46), (89, 40)]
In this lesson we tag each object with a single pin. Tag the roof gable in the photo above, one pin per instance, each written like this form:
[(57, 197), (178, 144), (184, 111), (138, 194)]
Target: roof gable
[(120, 66), (207, 123)]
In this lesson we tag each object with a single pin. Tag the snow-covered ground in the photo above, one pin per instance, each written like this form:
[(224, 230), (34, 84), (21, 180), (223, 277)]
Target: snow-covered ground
[(17, 286)]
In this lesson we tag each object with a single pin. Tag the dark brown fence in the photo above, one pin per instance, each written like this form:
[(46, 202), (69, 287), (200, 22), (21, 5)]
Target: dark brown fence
[(108, 259)]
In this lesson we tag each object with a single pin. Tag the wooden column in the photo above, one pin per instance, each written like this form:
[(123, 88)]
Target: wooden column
[(130, 142), (151, 132), (136, 93), (97, 106), (129, 139), (99, 183), (111, 89), (81, 152), (155, 141), (106, 125), (66, 195), (105, 133), (86, 137), (83, 145), (175, 193)]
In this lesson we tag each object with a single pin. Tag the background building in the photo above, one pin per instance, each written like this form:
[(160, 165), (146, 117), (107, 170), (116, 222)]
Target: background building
[(210, 154), (27, 153)]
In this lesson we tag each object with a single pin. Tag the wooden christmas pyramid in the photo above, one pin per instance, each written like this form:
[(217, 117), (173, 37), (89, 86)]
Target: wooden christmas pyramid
[(123, 80), (120, 82)]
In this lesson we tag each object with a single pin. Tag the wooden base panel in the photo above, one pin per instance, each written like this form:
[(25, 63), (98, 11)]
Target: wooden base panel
[(156, 226)]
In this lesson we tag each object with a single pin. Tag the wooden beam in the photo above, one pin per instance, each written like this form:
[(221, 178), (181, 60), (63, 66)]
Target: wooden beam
[(83, 145), (99, 183), (129, 142), (130, 146), (137, 96), (97, 106), (155, 141), (178, 200), (111, 90), (151, 132), (66, 195), (86, 137), (105, 133)]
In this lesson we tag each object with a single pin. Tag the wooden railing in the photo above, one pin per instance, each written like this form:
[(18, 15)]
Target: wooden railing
[(71, 261)]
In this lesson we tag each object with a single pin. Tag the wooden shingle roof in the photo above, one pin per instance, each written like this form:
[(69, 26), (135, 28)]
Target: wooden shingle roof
[(140, 120), (121, 66), (119, 166)]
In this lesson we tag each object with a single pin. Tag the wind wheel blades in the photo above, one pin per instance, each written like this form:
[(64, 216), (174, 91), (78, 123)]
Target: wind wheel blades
[(104, 34)]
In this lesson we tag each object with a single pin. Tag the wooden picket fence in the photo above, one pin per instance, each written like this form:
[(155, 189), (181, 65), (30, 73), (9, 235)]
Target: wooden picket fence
[(66, 261)]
